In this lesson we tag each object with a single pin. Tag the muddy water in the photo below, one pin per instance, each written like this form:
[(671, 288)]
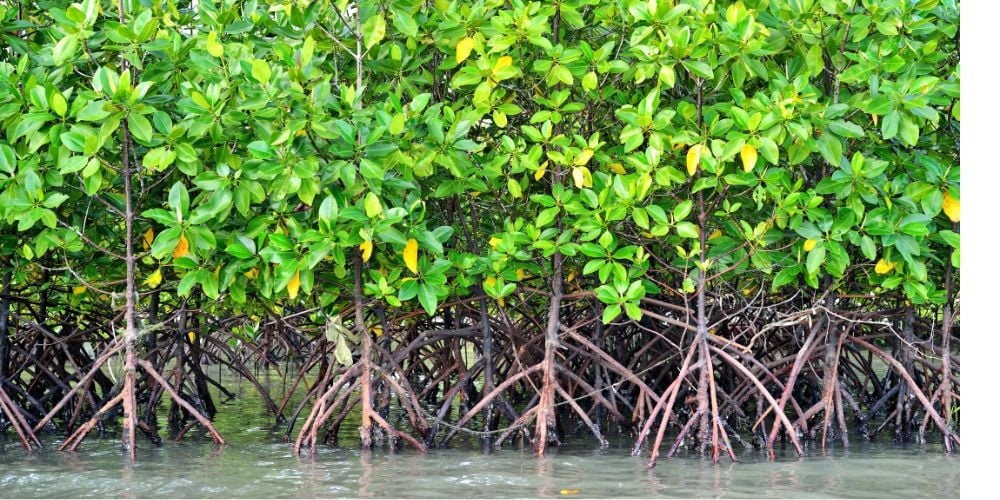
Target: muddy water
[(255, 463)]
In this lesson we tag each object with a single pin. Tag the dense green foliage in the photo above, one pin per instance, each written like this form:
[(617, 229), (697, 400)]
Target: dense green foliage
[(626, 149), (259, 150)]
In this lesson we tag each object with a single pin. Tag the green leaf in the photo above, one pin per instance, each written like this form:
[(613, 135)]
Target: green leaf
[(92, 112), (815, 258), (831, 149), (514, 187), (187, 284), (178, 200), (373, 206), (890, 125), (951, 238), (328, 211), (545, 217), (868, 247), (65, 49), (687, 230), (221, 200), (682, 210), (786, 276), (373, 30), (404, 22), (633, 311), (855, 73), (239, 250), (631, 138), (640, 217), (909, 133), (699, 68), (260, 71), (610, 313), (427, 296), (8, 160), (769, 150), (397, 124), (58, 103), (53, 200), (846, 129), (140, 128), (308, 46)]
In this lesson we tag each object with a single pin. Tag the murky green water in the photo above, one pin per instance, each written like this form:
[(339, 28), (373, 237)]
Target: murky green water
[(256, 464)]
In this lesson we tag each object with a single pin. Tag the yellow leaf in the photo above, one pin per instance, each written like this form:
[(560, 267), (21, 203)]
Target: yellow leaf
[(585, 156), (582, 177), (397, 124), (541, 171), (410, 255), (568, 492), (715, 234), (748, 154), (874, 119), (491, 281), (77, 290), (502, 63), (252, 274), (463, 49), (293, 286), (570, 276), (951, 207), (377, 330), (809, 245), (617, 168), (182, 248), (154, 279), (520, 274), (494, 241), (213, 45), (192, 337), (693, 158), (147, 239), (217, 269), (366, 250), (883, 267)]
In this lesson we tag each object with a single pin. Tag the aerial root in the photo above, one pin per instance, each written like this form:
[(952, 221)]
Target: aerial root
[(201, 419), (17, 421)]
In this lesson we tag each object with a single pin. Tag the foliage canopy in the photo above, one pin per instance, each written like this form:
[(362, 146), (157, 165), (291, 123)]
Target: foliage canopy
[(628, 149)]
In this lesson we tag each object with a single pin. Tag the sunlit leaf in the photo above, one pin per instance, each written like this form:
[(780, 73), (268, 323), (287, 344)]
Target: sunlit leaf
[(410, 255), (748, 154), (693, 159), (463, 49)]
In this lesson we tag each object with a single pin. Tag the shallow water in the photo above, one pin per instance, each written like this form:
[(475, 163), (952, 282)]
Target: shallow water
[(255, 463), (270, 470)]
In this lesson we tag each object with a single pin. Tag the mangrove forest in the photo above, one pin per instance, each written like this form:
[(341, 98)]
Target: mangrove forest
[(722, 227)]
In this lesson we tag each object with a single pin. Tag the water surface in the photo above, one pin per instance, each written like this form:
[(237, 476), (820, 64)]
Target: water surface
[(255, 463)]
